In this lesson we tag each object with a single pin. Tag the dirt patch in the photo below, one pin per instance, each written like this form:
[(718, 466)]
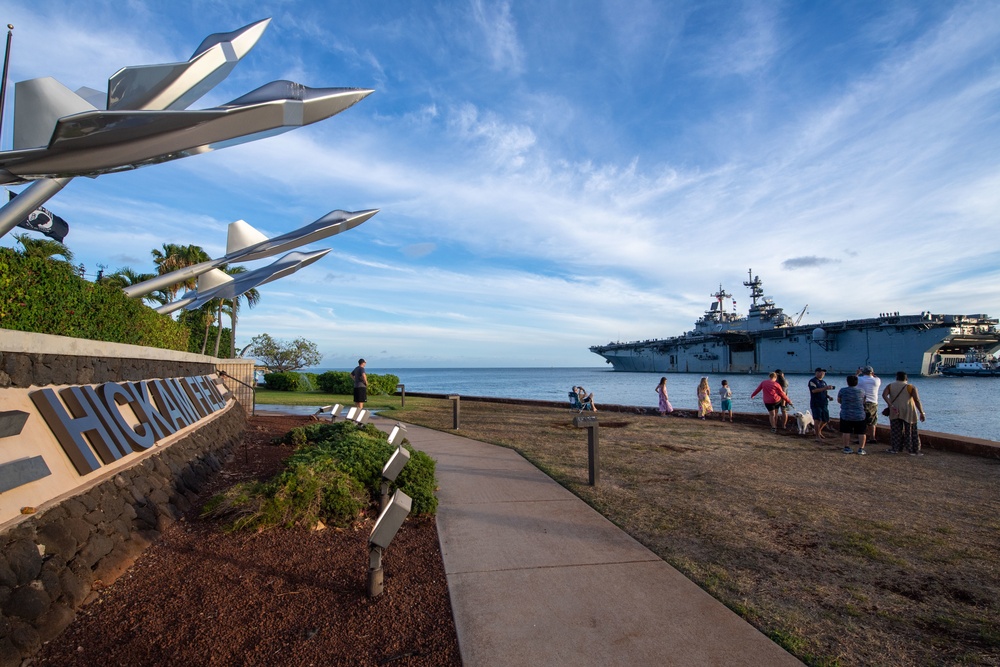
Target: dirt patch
[(200, 596), (841, 559)]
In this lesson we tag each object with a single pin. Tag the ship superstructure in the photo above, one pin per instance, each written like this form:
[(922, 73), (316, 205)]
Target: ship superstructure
[(723, 341)]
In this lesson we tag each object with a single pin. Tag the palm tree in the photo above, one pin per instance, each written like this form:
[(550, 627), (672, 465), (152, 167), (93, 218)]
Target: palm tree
[(46, 248), (232, 306), (173, 257), (253, 298), (208, 315)]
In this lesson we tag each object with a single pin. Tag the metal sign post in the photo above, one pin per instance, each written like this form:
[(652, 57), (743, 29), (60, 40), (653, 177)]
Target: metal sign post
[(593, 446)]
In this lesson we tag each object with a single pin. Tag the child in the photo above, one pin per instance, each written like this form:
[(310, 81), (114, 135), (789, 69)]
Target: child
[(726, 394), (704, 399)]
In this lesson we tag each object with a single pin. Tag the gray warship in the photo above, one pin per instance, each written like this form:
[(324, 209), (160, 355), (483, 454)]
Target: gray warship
[(766, 338)]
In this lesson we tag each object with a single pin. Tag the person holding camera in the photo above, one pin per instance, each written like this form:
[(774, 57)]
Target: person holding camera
[(819, 402)]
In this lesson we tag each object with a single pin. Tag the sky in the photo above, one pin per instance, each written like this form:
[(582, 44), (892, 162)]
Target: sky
[(557, 174)]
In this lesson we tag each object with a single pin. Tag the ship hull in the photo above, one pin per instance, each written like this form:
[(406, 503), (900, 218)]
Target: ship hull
[(913, 344)]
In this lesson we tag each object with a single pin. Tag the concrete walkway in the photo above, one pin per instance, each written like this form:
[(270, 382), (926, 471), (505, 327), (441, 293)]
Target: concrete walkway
[(537, 577)]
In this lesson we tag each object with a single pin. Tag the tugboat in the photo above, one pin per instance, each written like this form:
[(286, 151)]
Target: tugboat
[(977, 364)]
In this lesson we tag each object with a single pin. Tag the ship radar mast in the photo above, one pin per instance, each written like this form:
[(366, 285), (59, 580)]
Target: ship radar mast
[(720, 298), (756, 287)]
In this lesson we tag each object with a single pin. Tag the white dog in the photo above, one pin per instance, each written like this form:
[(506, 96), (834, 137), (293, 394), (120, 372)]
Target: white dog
[(804, 420)]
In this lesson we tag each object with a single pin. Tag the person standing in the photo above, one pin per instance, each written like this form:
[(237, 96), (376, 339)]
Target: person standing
[(704, 399), (726, 400), (904, 410), (852, 414), (779, 377), (664, 406), (819, 402), (869, 383), (360, 384), (773, 395)]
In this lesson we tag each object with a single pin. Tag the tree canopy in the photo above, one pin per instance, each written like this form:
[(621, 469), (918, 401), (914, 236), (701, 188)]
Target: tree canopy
[(280, 356)]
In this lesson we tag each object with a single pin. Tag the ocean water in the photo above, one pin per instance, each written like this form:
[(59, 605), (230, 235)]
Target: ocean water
[(963, 406)]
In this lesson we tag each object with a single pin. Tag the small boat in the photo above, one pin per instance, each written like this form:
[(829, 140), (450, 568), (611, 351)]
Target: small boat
[(977, 364)]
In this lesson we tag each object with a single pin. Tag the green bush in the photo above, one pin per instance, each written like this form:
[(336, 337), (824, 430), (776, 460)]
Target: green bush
[(335, 469), (298, 496), (362, 452), (46, 296), (336, 382), (381, 385), (282, 381), (341, 382)]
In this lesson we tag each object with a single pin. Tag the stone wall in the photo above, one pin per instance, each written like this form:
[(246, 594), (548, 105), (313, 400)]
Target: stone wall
[(52, 562), (23, 369)]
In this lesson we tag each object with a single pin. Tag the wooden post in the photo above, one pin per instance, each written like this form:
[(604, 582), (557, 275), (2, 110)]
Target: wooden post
[(456, 410), (593, 446)]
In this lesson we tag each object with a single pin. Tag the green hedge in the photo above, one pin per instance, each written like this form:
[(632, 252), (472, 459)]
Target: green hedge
[(46, 296), (336, 382), (282, 381), (341, 382)]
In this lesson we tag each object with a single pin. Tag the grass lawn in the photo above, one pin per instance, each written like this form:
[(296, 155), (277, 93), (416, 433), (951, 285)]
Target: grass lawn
[(384, 404), (843, 560)]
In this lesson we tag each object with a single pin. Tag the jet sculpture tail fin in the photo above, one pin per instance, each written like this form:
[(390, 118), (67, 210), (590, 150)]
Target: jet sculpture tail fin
[(242, 235), (38, 104)]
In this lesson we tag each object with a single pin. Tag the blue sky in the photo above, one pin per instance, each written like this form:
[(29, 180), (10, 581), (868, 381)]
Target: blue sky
[(553, 175)]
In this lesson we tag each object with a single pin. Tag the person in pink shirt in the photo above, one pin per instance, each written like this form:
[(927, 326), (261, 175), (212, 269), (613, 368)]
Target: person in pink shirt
[(773, 396)]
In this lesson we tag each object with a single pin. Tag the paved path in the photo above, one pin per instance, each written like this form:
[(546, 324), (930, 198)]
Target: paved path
[(537, 577)]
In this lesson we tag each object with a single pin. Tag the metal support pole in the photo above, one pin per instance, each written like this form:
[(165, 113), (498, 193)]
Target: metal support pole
[(593, 447), (17, 210), (455, 411), (402, 395), (384, 499), (3, 81), (375, 575)]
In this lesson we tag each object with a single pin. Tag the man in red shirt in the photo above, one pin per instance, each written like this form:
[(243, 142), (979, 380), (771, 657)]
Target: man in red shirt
[(773, 396)]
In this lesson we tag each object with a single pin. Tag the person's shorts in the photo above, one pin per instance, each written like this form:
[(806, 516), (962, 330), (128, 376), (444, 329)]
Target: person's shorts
[(871, 413), (855, 428), (820, 414), (360, 394), (783, 405), (727, 404), (771, 407)]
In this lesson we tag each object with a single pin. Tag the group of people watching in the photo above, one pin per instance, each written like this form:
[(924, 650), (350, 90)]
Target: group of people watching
[(859, 410), (858, 402)]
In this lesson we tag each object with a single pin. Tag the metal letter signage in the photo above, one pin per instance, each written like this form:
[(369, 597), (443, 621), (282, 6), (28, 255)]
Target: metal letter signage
[(90, 427)]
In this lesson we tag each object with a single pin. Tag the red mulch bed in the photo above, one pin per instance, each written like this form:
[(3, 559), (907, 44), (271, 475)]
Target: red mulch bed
[(283, 597)]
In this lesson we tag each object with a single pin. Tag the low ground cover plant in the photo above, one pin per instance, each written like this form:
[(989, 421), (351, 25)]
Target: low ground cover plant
[(333, 475)]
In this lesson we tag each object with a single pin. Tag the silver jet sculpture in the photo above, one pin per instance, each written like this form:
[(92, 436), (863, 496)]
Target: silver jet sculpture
[(246, 244), (218, 285), (59, 134)]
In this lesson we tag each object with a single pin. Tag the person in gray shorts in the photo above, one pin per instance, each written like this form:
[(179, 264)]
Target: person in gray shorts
[(360, 384)]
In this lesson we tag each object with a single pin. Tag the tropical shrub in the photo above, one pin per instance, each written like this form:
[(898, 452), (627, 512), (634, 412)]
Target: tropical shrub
[(381, 385), (341, 382), (282, 381), (335, 471), (46, 296), (336, 382)]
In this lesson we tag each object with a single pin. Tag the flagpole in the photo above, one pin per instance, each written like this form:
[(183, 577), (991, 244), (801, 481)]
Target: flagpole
[(3, 82)]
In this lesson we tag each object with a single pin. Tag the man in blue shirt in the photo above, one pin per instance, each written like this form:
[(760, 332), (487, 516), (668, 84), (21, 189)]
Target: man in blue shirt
[(819, 402)]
